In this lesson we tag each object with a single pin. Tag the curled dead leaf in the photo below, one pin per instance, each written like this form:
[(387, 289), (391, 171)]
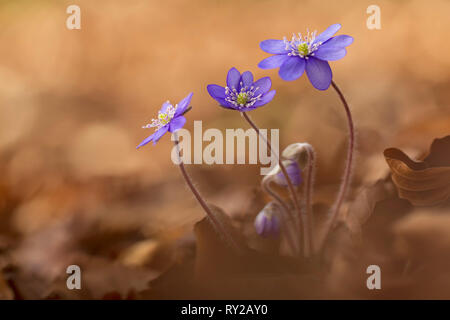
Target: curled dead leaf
[(426, 182)]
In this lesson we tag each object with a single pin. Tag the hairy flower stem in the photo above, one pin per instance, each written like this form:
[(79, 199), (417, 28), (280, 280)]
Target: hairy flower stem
[(283, 169), (291, 238), (308, 194), (346, 179), (214, 221)]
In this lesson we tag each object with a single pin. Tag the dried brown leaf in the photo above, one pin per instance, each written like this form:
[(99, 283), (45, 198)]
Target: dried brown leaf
[(426, 182)]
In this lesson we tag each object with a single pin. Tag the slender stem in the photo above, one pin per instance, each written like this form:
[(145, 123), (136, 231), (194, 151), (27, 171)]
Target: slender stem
[(283, 169), (310, 172), (291, 238), (216, 223), (346, 180)]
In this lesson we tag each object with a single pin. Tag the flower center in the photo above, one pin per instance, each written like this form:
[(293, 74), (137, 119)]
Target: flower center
[(242, 98), (163, 118), (303, 49), (302, 45), (245, 97)]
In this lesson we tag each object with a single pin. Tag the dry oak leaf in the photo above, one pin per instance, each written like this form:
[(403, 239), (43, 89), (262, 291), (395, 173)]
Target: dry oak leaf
[(423, 183)]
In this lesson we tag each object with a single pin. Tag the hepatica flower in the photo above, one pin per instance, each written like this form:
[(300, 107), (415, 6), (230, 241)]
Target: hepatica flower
[(170, 118), (294, 172), (241, 93), (310, 52), (267, 222)]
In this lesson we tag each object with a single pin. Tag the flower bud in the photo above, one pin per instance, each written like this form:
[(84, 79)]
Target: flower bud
[(297, 152), (267, 222), (294, 172)]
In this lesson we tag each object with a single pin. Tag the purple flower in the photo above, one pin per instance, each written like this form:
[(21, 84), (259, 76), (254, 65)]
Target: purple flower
[(306, 52), (293, 171), (267, 222), (241, 93), (170, 118)]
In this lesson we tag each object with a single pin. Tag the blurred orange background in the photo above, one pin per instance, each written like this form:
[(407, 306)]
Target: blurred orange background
[(72, 102)]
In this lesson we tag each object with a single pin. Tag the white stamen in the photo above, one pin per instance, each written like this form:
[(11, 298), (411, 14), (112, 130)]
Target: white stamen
[(163, 118), (232, 96), (299, 39)]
